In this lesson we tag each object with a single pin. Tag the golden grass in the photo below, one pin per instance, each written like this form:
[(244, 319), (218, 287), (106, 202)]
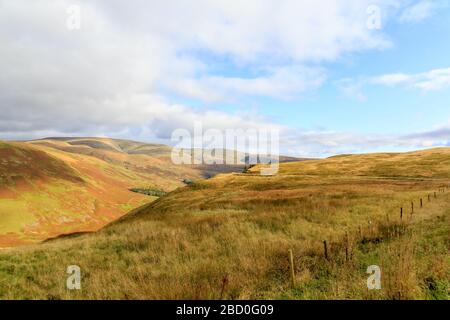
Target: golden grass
[(228, 237)]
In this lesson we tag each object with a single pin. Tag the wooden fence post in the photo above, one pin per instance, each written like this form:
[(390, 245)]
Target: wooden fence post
[(401, 213), (291, 262), (421, 203)]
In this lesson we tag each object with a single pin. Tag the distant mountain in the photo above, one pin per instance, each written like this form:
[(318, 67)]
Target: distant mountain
[(54, 186), (58, 185)]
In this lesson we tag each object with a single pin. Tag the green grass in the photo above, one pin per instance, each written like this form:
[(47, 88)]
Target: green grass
[(149, 192), (14, 215), (239, 228)]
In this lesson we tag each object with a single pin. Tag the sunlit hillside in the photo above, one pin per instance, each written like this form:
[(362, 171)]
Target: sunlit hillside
[(61, 185), (228, 237)]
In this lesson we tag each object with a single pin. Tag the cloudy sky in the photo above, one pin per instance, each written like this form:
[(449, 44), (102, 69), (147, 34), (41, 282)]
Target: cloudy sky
[(333, 76)]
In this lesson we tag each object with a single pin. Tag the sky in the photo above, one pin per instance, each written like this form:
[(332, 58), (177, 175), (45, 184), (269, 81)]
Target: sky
[(342, 76)]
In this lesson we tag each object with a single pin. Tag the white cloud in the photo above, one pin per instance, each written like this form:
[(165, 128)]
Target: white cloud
[(281, 83), (392, 79), (328, 143), (432, 80), (419, 11), (256, 30), (113, 75)]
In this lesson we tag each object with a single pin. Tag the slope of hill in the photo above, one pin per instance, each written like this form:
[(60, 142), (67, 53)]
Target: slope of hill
[(60, 185), (54, 186), (229, 236)]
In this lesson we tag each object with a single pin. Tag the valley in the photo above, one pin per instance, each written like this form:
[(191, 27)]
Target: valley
[(56, 186), (228, 237)]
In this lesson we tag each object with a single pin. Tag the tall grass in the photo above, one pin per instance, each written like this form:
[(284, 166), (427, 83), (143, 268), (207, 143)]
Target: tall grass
[(229, 237)]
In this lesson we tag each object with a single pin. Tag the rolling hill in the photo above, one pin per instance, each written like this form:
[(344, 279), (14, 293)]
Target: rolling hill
[(55, 186), (228, 237)]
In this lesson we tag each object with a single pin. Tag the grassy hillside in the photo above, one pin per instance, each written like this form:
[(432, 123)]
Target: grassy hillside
[(54, 186), (62, 185), (228, 237)]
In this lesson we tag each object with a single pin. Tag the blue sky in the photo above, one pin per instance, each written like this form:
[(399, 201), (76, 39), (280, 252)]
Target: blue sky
[(329, 82), (416, 47)]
